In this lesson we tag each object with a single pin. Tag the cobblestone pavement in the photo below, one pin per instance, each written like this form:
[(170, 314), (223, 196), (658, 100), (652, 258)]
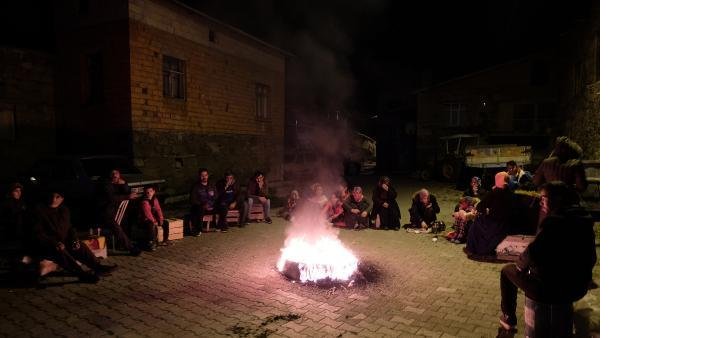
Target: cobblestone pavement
[(225, 284)]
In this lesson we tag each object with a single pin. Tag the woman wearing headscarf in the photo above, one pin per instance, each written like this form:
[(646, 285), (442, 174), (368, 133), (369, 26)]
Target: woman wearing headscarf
[(386, 212), (475, 189), (494, 218)]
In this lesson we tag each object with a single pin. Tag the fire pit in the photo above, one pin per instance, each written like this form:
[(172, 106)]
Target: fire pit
[(321, 259)]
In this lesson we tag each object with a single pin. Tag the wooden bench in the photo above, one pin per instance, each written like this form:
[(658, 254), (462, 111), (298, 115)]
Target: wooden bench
[(256, 212)]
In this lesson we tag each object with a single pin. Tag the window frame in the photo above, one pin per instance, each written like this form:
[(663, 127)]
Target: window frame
[(177, 74)]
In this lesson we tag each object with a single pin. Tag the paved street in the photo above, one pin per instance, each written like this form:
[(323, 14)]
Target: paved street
[(225, 284)]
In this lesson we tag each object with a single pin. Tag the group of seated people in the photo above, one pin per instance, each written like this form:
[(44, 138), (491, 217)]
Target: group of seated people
[(225, 195), (45, 232)]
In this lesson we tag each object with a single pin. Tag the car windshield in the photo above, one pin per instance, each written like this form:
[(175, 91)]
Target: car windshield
[(101, 166)]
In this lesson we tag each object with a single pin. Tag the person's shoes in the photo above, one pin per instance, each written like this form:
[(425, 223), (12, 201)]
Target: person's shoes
[(104, 269), (508, 322), (269, 220), (224, 230), (134, 252), (151, 247), (166, 243), (88, 277), (198, 234)]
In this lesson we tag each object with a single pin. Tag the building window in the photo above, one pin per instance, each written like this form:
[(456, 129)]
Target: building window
[(213, 37), (173, 77), (455, 111), (7, 125), (263, 104)]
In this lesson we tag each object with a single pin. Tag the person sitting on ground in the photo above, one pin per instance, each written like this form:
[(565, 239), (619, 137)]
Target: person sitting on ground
[(110, 194), (151, 217), (494, 218), (424, 210), (386, 212), (229, 198), (518, 177), (334, 211), (475, 189), (258, 191), (13, 214), (289, 209), (463, 215), (342, 191), (556, 268), (356, 210), (202, 201), (54, 238), (317, 198)]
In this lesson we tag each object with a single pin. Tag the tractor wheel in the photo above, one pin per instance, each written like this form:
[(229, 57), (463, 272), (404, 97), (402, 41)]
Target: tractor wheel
[(448, 171)]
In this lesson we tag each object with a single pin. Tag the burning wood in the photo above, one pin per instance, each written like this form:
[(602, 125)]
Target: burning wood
[(312, 260)]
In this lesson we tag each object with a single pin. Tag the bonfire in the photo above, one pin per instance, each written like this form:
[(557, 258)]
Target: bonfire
[(314, 253)]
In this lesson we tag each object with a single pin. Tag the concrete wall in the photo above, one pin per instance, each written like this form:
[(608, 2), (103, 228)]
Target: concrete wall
[(215, 125), (27, 116)]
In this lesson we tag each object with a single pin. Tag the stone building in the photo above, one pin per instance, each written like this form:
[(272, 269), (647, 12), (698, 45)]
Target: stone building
[(169, 86), (514, 102), (579, 83)]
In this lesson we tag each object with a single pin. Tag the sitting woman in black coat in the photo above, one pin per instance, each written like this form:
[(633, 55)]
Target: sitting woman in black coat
[(386, 212), (494, 218), (424, 209)]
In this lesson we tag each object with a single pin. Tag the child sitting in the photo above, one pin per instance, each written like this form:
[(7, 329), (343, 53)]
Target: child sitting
[(289, 209), (463, 215), (334, 211)]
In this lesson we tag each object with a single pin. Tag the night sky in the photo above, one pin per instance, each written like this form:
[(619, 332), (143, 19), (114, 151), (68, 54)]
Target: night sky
[(358, 55)]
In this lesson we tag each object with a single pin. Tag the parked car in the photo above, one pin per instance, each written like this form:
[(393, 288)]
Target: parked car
[(77, 178)]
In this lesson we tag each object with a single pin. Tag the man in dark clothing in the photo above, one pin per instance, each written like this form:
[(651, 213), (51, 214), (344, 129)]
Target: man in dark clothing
[(356, 209), (202, 201), (110, 195), (386, 212), (423, 210), (563, 165), (556, 268), (55, 239), (229, 197)]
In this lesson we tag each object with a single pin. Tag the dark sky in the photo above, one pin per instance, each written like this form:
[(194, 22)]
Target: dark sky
[(355, 55)]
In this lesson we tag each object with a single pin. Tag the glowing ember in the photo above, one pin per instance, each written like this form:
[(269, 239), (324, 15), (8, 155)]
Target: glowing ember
[(318, 258)]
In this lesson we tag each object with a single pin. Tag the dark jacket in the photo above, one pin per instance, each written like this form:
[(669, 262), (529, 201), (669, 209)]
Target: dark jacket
[(53, 226), (418, 212), (108, 197), (351, 203), (469, 192), (563, 254), (495, 220), (255, 190), (12, 219), (227, 195), (381, 196), (203, 195)]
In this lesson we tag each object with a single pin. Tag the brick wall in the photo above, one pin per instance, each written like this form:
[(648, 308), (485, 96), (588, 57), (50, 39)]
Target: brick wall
[(215, 125)]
